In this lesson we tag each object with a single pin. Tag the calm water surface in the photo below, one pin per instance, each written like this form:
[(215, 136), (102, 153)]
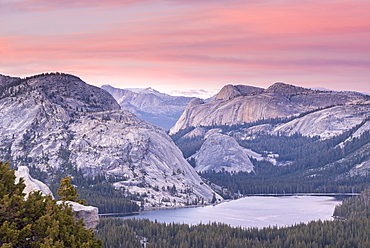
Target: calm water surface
[(255, 211)]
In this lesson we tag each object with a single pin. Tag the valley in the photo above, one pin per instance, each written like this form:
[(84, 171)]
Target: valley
[(283, 140), (246, 140), (184, 124)]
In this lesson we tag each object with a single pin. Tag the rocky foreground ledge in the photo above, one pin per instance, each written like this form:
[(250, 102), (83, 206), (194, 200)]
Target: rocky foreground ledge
[(89, 214)]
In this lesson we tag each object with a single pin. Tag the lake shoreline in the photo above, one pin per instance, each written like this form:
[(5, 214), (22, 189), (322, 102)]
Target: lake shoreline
[(306, 194), (339, 195), (250, 211)]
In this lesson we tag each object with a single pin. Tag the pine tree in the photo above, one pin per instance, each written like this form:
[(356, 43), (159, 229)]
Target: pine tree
[(36, 220), (67, 192), (213, 198)]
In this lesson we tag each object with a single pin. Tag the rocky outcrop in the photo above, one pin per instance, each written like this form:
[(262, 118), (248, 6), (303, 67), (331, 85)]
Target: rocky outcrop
[(89, 214), (326, 123), (199, 131), (221, 153), (75, 125), (148, 104), (361, 130), (287, 89), (278, 101), (32, 185), (228, 92), (231, 91), (361, 169)]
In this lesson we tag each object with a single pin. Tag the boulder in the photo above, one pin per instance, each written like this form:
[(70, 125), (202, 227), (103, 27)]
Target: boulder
[(88, 213)]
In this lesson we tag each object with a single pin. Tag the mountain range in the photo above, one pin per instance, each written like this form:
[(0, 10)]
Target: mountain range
[(160, 109), (58, 123), (258, 119), (239, 104)]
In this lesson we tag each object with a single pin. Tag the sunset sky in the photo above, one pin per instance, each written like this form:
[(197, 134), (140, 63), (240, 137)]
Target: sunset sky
[(190, 47)]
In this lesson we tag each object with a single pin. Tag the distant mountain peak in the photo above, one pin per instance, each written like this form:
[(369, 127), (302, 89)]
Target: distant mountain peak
[(231, 91), (67, 91), (283, 88), (150, 90), (149, 104)]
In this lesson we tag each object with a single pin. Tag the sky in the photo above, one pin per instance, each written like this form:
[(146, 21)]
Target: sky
[(190, 47)]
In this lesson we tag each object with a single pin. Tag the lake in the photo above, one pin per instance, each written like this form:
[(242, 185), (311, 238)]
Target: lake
[(254, 211)]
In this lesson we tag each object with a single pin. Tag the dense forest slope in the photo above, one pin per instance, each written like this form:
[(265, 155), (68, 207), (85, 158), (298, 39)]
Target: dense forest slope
[(57, 123), (288, 164), (148, 104), (299, 140)]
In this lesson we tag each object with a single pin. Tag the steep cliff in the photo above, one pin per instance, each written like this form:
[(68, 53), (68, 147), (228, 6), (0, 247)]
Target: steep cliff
[(233, 106)]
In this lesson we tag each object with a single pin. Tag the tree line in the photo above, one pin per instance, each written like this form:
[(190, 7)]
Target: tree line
[(350, 229), (97, 190), (308, 164)]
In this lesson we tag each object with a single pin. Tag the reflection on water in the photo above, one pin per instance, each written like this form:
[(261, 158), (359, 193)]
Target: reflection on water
[(254, 211)]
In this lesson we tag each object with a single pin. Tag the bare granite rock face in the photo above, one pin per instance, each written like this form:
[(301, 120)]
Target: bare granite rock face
[(198, 131), (287, 89), (231, 91), (281, 109), (220, 152), (234, 106), (57, 121), (32, 185), (326, 123), (89, 214)]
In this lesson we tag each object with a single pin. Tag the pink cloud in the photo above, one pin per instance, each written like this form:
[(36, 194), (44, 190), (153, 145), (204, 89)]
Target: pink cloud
[(48, 5), (297, 17), (214, 41)]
